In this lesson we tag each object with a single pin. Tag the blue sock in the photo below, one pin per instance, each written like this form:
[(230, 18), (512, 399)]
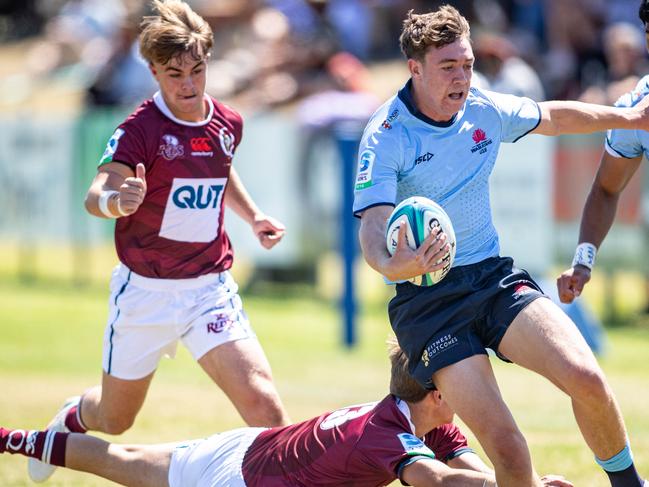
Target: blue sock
[(620, 469)]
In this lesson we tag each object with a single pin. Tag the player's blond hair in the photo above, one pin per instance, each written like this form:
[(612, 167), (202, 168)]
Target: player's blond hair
[(434, 29), (174, 31), (402, 384)]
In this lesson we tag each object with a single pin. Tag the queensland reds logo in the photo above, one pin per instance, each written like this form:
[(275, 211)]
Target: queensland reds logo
[(479, 135), (171, 147), (227, 141)]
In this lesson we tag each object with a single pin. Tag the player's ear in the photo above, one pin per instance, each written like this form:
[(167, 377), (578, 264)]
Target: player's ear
[(414, 67), (153, 70), (437, 397)]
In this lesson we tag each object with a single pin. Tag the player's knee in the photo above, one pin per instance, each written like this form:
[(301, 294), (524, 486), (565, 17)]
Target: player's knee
[(264, 407), (589, 384), (116, 424)]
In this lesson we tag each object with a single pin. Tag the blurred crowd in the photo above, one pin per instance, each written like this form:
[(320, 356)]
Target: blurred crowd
[(271, 52)]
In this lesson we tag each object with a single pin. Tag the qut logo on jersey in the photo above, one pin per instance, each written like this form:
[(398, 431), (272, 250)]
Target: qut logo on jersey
[(199, 197), (193, 209)]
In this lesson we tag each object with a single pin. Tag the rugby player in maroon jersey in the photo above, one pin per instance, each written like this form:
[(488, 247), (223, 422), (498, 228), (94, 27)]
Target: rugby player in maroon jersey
[(166, 176), (409, 435)]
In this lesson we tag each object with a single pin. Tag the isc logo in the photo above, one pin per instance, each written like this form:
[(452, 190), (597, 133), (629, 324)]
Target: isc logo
[(200, 197)]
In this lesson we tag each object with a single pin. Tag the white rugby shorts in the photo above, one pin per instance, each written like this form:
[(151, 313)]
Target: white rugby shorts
[(148, 316), (212, 462)]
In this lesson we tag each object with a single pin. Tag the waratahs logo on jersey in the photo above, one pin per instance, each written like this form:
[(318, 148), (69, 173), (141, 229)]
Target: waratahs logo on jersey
[(481, 142), (111, 147), (171, 148), (227, 141), (364, 174)]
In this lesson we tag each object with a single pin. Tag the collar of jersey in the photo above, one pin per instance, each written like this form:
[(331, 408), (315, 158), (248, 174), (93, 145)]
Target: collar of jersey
[(160, 103), (405, 95), (405, 410)]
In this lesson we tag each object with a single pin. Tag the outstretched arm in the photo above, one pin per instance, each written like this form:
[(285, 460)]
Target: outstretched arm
[(468, 472), (574, 117), (427, 472), (268, 230), (599, 212)]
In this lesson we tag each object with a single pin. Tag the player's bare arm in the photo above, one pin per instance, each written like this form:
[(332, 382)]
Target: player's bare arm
[(573, 117), (427, 472), (121, 190), (268, 230), (469, 461), (405, 263), (599, 212)]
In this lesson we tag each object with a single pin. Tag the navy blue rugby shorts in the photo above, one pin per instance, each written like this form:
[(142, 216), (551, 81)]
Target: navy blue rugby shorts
[(462, 315)]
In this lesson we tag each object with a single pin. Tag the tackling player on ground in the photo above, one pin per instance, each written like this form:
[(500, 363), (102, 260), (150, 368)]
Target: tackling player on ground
[(165, 176), (622, 157), (439, 138), (408, 435)]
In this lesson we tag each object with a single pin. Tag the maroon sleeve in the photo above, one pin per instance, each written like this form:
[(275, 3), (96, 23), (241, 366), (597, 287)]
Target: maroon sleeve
[(132, 147), (388, 446), (447, 441), (127, 145)]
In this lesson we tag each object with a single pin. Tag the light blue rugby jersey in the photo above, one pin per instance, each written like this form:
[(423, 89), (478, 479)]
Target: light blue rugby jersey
[(625, 142), (404, 153)]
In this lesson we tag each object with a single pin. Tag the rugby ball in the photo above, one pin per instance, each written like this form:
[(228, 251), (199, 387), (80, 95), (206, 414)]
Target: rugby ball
[(421, 216)]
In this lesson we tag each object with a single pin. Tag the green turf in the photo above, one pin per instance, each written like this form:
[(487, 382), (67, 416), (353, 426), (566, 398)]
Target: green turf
[(50, 348)]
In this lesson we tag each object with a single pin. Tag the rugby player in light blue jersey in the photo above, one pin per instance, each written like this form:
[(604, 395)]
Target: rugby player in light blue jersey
[(439, 138), (620, 161)]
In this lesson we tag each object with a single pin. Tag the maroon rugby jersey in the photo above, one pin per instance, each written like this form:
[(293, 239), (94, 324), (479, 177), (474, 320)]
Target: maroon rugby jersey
[(363, 446), (178, 231)]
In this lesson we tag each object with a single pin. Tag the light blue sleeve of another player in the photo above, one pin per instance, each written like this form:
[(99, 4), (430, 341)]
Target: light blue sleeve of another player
[(518, 115), (626, 143), (378, 167)]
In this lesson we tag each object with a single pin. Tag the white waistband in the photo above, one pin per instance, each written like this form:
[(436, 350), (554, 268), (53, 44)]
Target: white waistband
[(156, 284)]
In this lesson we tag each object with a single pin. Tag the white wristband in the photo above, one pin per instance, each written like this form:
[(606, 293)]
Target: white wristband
[(585, 255), (102, 203)]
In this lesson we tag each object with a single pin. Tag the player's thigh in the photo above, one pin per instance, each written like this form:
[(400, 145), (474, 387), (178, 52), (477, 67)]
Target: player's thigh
[(238, 367), (544, 339), (470, 389), (122, 399), (140, 329)]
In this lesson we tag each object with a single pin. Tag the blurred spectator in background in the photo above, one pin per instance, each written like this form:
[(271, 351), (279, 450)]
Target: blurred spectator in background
[(505, 71), (573, 40), (80, 33), (19, 19), (625, 56), (124, 79)]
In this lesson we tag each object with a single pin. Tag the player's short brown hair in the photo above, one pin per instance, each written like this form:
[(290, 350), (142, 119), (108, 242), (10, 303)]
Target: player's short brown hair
[(402, 384), (176, 30), (437, 29)]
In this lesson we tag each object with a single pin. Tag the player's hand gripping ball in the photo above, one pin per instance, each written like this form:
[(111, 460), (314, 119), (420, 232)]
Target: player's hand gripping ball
[(421, 216)]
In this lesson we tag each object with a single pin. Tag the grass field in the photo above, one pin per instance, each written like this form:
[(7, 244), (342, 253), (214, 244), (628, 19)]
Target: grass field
[(50, 348)]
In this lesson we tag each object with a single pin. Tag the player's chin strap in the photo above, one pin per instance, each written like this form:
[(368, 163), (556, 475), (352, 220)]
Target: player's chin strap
[(585, 255)]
